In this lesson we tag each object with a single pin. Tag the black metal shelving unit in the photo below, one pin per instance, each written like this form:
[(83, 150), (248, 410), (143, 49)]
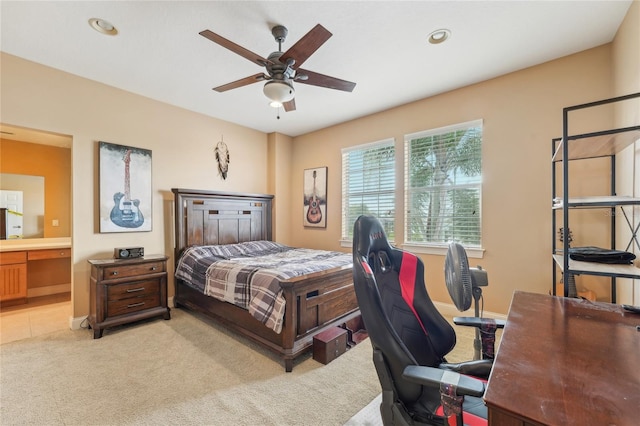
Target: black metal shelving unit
[(605, 143)]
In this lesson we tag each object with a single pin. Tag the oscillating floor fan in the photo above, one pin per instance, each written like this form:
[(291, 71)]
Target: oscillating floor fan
[(464, 284)]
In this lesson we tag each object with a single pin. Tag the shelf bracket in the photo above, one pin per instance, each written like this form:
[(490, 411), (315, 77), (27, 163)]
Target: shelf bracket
[(634, 231)]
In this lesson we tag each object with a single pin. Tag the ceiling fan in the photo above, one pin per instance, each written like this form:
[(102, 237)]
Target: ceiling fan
[(283, 68)]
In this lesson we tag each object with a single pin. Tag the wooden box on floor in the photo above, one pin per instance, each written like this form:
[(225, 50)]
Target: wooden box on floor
[(329, 344)]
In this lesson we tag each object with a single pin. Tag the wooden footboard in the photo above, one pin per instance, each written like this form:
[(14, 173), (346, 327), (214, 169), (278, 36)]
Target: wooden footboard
[(319, 299)]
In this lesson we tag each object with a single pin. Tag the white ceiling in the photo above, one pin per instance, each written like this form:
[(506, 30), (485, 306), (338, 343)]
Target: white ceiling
[(380, 45)]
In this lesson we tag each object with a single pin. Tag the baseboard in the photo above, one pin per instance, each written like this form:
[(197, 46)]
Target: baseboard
[(450, 310), (76, 323)]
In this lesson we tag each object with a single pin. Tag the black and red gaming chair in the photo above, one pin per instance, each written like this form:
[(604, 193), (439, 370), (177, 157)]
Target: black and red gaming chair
[(410, 338)]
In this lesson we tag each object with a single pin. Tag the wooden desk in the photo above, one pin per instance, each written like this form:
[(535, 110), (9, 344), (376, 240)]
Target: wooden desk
[(564, 362)]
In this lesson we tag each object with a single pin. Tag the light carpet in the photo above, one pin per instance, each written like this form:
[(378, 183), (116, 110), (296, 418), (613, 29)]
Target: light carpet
[(184, 371)]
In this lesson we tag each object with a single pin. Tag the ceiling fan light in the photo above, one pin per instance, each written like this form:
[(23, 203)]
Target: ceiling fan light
[(274, 104), (278, 92)]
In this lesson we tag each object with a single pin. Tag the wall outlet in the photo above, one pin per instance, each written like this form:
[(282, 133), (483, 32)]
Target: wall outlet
[(55, 222)]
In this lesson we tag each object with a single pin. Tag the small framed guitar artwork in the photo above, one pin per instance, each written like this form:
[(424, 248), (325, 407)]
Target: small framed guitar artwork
[(315, 198), (125, 188)]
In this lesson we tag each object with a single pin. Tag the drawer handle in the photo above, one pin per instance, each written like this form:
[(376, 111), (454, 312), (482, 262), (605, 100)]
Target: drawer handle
[(133, 290), (153, 268), (134, 305), (114, 273)]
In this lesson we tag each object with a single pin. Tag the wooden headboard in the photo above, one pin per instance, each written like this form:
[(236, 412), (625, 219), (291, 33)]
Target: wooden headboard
[(214, 217)]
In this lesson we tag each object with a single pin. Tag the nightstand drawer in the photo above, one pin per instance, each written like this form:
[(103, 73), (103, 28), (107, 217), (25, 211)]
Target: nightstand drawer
[(123, 271), (136, 289), (134, 304)]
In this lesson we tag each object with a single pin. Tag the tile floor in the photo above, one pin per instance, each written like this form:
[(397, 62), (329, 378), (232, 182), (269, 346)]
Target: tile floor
[(39, 316)]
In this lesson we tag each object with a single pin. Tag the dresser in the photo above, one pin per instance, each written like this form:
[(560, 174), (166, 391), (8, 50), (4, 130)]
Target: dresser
[(127, 290)]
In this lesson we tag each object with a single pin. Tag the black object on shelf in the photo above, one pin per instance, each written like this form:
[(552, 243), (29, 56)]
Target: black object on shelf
[(601, 255)]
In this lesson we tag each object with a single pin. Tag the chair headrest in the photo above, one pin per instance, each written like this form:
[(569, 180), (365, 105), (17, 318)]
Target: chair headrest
[(369, 236)]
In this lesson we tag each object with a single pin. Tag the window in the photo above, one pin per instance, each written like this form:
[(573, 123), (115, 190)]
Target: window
[(443, 185), (368, 185)]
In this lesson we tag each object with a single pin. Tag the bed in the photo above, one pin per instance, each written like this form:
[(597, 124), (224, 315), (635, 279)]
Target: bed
[(313, 302)]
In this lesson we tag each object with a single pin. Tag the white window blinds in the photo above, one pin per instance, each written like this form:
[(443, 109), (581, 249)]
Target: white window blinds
[(443, 185), (368, 185)]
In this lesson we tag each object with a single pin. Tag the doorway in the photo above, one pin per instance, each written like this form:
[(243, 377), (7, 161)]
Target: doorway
[(26, 154)]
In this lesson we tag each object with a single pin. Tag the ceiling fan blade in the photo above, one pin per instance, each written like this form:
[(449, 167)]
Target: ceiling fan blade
[(245, 53), (308, 44), (317, 79), (290, 106), (242, 82)]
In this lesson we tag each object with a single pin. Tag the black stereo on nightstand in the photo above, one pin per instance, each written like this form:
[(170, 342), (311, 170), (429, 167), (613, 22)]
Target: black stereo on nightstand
[(128, 252)]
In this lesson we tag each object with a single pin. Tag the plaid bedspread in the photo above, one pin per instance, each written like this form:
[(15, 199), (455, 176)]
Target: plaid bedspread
[(248, 274)]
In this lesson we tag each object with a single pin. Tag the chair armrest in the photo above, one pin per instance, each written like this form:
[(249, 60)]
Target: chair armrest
[(429, 376), (479, 368), (476, 322)]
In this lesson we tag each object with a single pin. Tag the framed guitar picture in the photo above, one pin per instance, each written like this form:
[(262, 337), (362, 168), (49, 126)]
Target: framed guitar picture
[(125, 188), (315, 198)]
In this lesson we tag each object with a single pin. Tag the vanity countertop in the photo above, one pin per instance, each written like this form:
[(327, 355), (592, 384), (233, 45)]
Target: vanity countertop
[(35, 244)]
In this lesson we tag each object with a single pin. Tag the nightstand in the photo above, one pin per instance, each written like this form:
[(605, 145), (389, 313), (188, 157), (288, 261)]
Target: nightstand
[(127, 290)]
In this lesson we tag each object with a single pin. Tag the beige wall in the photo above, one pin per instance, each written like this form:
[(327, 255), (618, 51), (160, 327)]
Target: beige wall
[(279, 159), (626, 73), (181, 142), (522, 112), (626, 56)]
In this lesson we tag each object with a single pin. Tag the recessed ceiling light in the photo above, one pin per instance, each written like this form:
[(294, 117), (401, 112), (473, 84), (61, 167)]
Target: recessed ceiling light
[(439, 36), (102, 26)]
